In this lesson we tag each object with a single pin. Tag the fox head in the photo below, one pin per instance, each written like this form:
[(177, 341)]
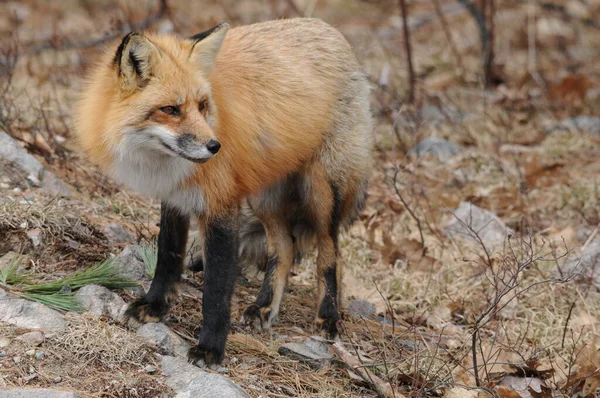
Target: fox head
[(148, 106), (169, 87)]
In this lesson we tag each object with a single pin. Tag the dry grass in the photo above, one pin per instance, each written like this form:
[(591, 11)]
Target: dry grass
[(94, 341)]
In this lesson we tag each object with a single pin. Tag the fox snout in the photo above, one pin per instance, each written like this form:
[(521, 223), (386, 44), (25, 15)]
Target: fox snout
[(189, 147)]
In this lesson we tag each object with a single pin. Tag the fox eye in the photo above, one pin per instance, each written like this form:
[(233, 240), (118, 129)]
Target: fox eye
[(203, 106), (171, 110)]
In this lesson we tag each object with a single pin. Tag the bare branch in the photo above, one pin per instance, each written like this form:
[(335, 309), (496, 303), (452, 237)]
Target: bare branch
[(407, 46)]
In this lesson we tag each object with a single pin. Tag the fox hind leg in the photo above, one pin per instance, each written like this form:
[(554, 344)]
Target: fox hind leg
[(324, 203), (270, 208)]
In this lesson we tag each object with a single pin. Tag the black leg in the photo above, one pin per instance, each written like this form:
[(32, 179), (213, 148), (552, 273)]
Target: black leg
[(171, 252), (328, 313), (220, 275), (328, 309)]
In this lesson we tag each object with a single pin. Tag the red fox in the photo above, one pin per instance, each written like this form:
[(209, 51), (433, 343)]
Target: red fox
[(273, 116)]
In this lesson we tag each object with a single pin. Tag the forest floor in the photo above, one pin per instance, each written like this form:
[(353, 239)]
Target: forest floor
[(470, 272)]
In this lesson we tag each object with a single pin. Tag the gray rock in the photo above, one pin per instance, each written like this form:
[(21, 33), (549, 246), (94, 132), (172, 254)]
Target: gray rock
[(12, 151), (586, 265), (362, 308), (307, 354), (437, 147), (188, 381), (165, 339), (578, 123), (431, 117), (116, 233), (470, 221), (130, 265), (35, 236), (32, 338), (29, 314), (318, 344), (98, 301), (38, 393)]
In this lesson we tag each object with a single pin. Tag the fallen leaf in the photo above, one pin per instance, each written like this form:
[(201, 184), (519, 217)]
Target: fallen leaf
[(505, 392), (520, 386), (571, 89)]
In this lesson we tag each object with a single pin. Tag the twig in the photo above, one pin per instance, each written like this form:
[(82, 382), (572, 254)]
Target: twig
[(484, 38), (448, 33), (562, 344), (407, 46), (382, 388), (410, 211)]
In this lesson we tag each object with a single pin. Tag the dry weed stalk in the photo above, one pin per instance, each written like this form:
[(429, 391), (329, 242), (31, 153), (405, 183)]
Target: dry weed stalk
[(485, 24), (505, 278), (407, 47)]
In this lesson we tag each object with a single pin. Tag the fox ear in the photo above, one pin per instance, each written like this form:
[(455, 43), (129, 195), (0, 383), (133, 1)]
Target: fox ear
[(206, 46), (134, 61)]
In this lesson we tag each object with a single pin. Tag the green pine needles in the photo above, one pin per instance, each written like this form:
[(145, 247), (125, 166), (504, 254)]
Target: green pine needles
[(60, 294)]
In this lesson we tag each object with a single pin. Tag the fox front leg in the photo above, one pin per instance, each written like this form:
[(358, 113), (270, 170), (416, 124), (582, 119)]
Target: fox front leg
[(171, 252), (220, 274)]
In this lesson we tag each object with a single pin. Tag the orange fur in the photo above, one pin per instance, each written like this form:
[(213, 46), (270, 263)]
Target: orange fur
[(271, 107)]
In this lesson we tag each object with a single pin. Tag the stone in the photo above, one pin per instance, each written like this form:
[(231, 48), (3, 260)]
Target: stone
[(116, 233), (38, 393), (436, 147), (305, 354), (470, 221), (32, 339), (586, 265), (318, 344), (12, 151), (165, 339), (98, 301), (130, 265), (35, 236), (189, 381), (29, 314), (362, 308), (431, 117), (578, 123)]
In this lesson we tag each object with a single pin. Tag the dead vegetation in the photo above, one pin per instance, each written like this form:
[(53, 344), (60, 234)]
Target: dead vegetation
[(455, 315)]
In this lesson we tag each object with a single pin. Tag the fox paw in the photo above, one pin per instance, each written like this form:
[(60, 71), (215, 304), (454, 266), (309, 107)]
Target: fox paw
[(260, 318), (204, 357), (142, 311), (328, 326)]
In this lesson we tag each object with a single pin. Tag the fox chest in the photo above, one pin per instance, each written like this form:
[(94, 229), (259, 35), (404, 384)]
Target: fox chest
[(161, 179)]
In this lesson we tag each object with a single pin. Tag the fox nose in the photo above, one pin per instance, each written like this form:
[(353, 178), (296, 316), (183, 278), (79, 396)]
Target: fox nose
[(213, 146)]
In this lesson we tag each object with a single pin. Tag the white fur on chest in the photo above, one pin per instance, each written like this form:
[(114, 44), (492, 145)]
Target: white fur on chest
[(157, 175)]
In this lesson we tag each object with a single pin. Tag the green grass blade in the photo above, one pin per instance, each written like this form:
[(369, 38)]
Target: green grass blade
[(149, 255), (10, 274)]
